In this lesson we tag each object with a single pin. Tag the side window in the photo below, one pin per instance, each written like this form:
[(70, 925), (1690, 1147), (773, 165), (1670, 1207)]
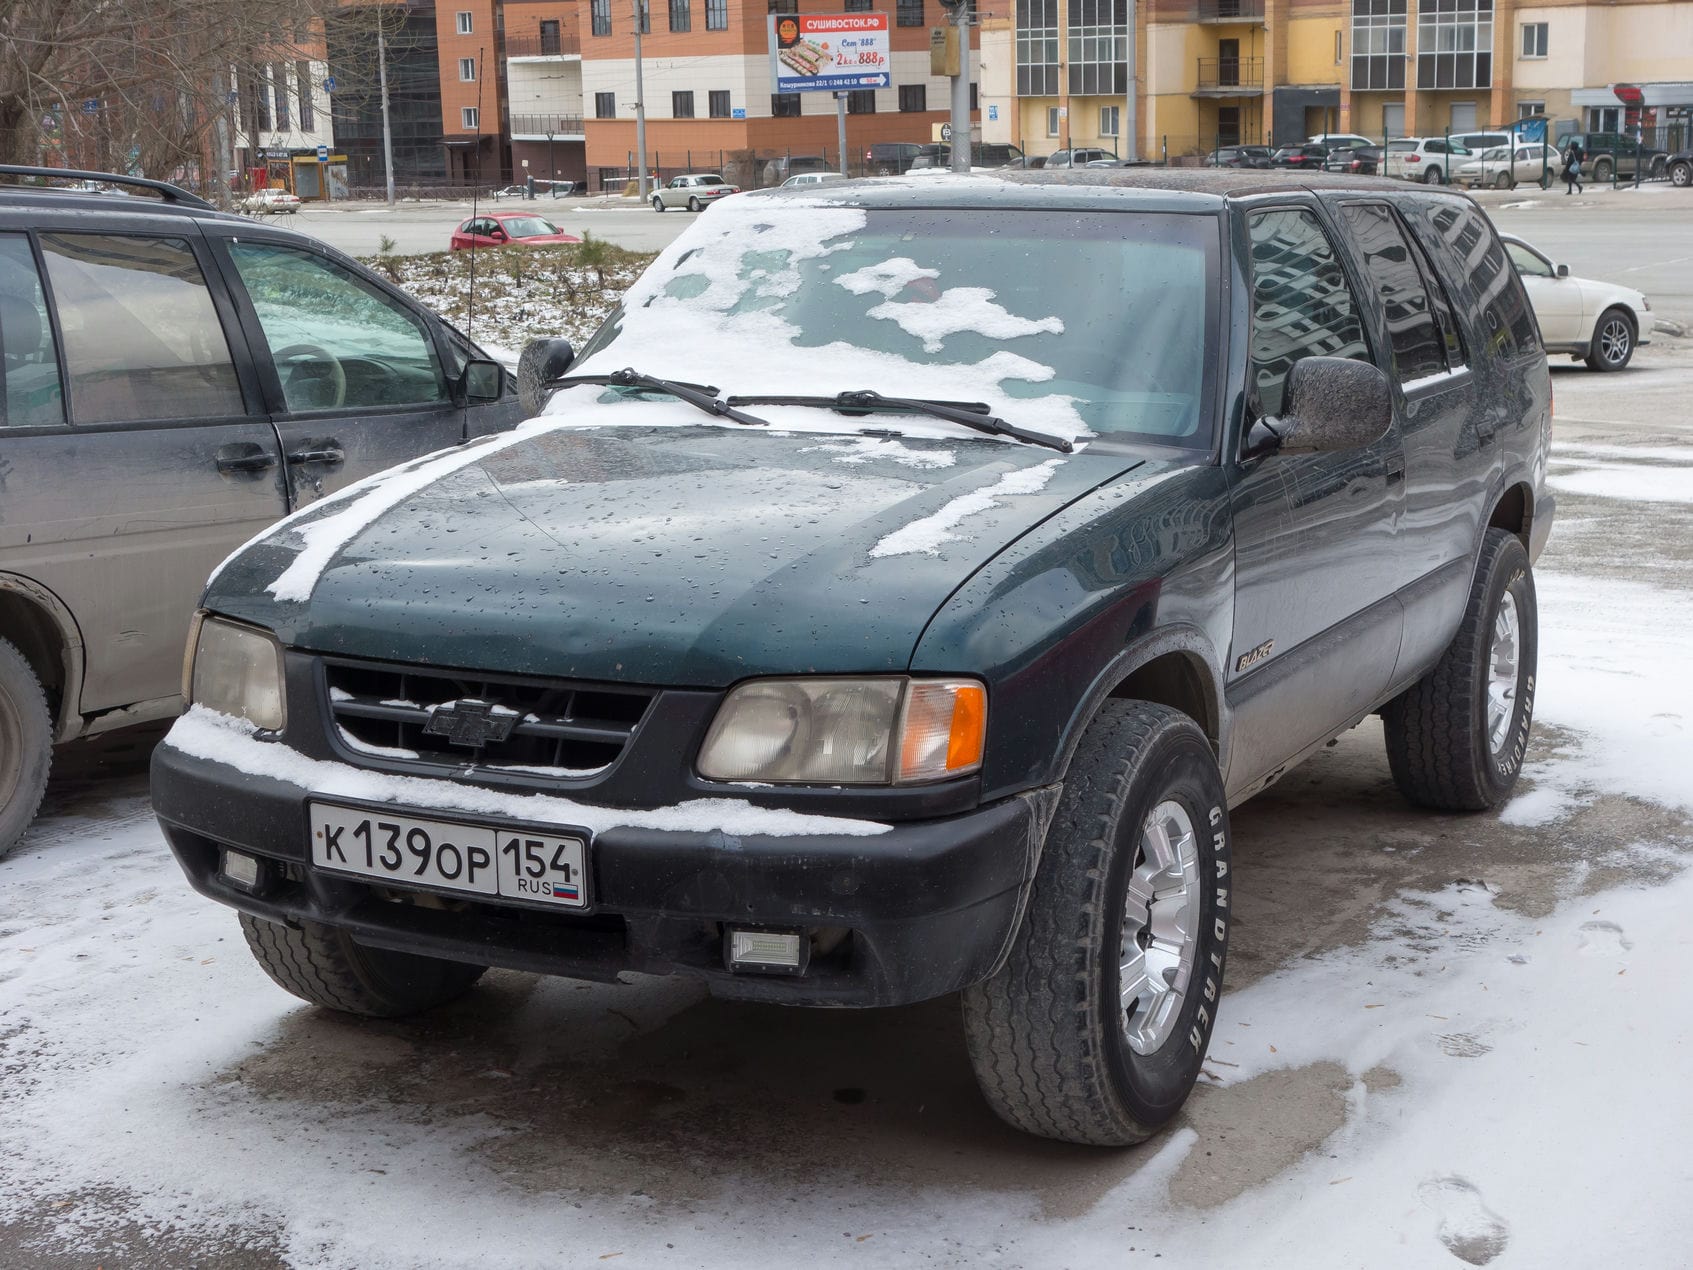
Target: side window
[(1301, 303), (142, 337), (1479, 256), (1451, 334), (1417, 346), (336, 341), (34, 396), (1527, 262)]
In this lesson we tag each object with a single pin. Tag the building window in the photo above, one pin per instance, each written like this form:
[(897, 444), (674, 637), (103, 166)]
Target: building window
[(1108, 117), (910, 13), (1530, 109), (1037, 49), (784, 105), (857, 6), (303, 77), (1099, 31), (781, 6), (466, 22), (681, 15), (1604, 118), (1455, 44), (470, 117), (717, 103), (975, 100), (279, 81), (861, 101), (1053, 119), (605, 105), (1339, 53), (1534, 39), (682, 105), (549, 39), (1378, 45), (646, 12), (913, 97), (717, 15), (467, 70), (600, 17)]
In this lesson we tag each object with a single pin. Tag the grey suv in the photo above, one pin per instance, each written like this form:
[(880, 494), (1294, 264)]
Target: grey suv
[(175, 380)]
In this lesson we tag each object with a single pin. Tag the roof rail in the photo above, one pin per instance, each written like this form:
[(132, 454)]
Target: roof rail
[(169, 193)]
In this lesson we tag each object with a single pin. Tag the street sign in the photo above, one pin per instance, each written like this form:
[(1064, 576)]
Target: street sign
[(993, 114), (91, 106), (946, 132), (826, 52), (329, 83), (739, 112), (323, 154)]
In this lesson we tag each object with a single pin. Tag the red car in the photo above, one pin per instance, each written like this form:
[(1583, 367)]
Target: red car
[(496, 229)]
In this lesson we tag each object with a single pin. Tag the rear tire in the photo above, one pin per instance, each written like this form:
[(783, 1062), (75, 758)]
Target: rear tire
[(1456, 738), (693, 205), (1602, 169), (1681, 174), (1433, 176), (1056, 1049), (26, 745), (323, 965), (1613, 342)]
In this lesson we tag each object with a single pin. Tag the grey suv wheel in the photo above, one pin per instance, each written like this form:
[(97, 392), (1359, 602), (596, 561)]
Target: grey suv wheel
[(1613, 341), (26, 745), (1094, 1029)]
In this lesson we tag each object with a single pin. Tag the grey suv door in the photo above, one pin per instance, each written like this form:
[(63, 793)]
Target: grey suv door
[(354, 377), (135, 453)]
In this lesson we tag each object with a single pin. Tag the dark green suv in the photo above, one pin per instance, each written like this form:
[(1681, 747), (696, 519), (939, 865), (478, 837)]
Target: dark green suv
[(892, 600), (1614, 154)]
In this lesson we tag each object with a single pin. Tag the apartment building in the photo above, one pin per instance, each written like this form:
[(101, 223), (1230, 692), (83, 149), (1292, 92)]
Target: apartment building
[(1223, 72)]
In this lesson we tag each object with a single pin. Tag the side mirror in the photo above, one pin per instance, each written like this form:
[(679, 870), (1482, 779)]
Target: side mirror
[(1331, 404), (498, 235), (1563, 271), (542, 362), (483, 381)]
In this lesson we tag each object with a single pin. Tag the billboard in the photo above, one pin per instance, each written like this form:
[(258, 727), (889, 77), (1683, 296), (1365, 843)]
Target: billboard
[(817, 52)]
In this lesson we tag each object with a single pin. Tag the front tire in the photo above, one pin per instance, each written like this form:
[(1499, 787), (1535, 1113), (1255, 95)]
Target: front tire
[(323, 965), (1456, 738), (1613, 342), (658, 203), (1504, 182), (1094, 1029), (26, 745)]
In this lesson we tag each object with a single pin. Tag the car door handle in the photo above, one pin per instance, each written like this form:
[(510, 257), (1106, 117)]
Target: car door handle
[(244, 456), (319, 452)]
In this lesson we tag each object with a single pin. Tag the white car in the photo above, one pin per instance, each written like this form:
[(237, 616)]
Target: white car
[(1596, 322), (1339, 140), (692, 190), (271, 201), (812, 178), (1504, 167), (1426, 159)]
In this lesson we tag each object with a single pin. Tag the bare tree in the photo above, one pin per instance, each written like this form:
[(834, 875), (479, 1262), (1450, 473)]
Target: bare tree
[(132, 83)]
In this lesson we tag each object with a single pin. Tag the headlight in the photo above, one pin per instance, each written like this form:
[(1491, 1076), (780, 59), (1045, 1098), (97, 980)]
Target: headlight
[(237, 670), (866, 731)]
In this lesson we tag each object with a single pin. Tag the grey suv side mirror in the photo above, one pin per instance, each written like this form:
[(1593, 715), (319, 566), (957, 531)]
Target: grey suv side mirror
[(1331, 404), (542, 362)]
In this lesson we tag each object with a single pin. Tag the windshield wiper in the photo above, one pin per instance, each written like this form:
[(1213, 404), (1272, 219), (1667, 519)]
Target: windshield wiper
[(971, 414), (702, 396)]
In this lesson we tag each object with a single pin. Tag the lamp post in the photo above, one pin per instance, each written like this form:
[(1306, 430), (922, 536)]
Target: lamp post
[(552, 167)]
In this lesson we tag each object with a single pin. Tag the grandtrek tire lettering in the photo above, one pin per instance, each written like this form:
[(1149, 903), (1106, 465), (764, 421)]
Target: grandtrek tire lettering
[(1063, 1043)]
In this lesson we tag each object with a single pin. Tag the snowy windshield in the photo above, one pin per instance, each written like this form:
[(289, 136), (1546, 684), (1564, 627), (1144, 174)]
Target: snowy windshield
[(1074, 323), (529, 226)]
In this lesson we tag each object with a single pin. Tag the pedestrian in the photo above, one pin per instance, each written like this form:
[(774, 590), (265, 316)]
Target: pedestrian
[(1573, 155)]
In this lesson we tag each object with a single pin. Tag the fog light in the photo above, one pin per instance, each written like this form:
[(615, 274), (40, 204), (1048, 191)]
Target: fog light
[(241, 870), (770, 951)]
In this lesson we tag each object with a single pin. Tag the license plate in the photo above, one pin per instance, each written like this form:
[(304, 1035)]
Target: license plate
[(519, 865)]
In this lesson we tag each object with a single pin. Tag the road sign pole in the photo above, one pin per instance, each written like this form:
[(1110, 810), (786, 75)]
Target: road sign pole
[(840, 129), (959, 15)]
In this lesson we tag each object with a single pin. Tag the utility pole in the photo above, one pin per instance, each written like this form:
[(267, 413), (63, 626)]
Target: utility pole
[(1130, 126), (640, 106), (387, 128), (958, 15), (840, 128)]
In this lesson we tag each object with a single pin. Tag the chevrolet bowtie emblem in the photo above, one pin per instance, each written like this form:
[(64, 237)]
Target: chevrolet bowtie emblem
[(470, 723)]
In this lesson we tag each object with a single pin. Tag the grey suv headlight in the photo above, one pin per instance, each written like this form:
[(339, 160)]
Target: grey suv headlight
[(236, 670), (860, 731)]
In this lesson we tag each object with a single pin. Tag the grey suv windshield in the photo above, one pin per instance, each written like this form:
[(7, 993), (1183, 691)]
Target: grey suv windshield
[(1068, 322)]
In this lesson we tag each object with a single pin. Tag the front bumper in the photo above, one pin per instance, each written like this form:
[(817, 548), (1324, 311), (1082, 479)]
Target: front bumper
[(928, 907)]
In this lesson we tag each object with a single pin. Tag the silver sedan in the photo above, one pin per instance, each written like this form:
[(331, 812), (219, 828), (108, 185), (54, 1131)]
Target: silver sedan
[(692, 191)]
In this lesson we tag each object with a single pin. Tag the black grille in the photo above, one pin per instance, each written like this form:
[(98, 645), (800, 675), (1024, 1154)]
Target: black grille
[(450, 719)]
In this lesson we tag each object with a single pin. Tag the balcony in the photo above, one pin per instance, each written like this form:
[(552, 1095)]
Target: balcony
[(561, 44), (1230, 77), (1224, 12), (536, 127)]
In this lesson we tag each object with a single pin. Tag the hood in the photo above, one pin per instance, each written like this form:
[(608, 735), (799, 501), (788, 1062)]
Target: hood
[(687, 556), (548, 238)]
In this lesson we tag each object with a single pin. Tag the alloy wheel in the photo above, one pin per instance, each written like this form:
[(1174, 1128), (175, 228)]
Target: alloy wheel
[(1503, 659), (1160, 927), (1614, 341)]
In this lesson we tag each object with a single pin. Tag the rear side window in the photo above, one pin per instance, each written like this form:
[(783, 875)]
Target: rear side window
[(1417, 344), (34, 397), (142, 337), (1301, 303), (1475, 252)]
